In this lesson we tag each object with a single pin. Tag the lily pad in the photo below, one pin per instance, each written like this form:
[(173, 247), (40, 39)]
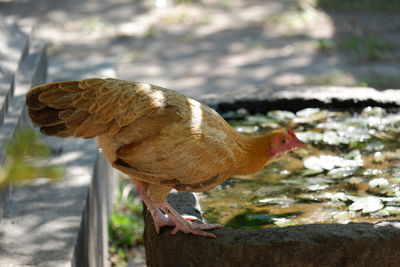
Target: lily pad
[(311, 115), (347, 166), (380, 213), (379, 157), (378, 183), (377, 111), (260, 118), (339, 197), (282, 201), (317, 187), (393, 210), (366, 204), (307, 112), (309, 136), (308, 198), (372, 172), (375, 146), (320, 180), (329, 162), (342, 172), (281, 115), (391, 201), (282, 222), (344, 217)]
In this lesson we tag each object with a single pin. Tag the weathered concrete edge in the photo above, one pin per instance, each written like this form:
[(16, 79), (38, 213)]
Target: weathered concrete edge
[(91, 246), (31, 72), (7, 86), (296, 98), (354, 244)]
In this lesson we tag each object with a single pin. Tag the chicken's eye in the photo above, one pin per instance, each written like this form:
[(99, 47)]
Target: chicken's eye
[(283, 141)]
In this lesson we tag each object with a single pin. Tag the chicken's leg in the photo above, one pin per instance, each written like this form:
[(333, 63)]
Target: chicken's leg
[(159, 219)]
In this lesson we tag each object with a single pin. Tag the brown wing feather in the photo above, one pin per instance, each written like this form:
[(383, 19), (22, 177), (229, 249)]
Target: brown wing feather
[(91, 107)]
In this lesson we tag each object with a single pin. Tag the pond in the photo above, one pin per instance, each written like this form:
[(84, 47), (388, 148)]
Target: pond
[(349, 173)]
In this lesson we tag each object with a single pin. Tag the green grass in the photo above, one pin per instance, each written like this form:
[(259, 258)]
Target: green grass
[(325, 45), (126, 226), (27, 159), (341, 78), (359, 48), (380, 81), (335, 77), (366, 47), (360, 5)]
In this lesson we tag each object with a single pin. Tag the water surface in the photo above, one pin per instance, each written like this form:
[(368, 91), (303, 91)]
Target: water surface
[(349, 173)]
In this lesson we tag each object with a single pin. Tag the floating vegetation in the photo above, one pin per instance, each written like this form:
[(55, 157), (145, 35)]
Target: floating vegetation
[(349, 173)]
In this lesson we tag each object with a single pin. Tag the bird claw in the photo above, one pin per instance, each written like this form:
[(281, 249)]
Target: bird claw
[(183, 225), (161, 222), (196, 229), (187, 227)]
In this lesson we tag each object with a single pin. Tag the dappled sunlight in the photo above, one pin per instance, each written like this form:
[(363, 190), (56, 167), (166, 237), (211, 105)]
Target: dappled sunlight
[(196, 118), (155, 97), (164, 42), (394, 224), (228, 56), (198, 48), (52, 224)]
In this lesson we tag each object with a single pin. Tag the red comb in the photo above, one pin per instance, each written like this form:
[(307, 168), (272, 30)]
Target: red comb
[(291, 132)]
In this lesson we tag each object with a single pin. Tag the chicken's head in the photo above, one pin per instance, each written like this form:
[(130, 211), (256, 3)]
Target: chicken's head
[(284, 142)]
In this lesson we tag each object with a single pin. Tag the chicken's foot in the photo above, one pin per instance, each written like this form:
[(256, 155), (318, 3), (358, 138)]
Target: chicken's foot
[(172, 217), (182, 225)]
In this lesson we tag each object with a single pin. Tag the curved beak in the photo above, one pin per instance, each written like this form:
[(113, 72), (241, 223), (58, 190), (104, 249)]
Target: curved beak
[(301, 144), (296, 143)]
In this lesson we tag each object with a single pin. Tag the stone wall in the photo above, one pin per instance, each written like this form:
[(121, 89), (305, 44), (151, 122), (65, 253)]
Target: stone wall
[(63, 223), (355, 244)]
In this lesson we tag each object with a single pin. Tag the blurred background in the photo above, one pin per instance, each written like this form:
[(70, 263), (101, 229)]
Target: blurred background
[(209, 48), (214, 49)]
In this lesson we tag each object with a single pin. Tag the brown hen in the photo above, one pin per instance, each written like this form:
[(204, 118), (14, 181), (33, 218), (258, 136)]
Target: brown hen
[(160, 138)]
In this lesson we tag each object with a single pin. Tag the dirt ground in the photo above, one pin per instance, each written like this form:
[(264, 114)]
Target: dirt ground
[(210, 48)]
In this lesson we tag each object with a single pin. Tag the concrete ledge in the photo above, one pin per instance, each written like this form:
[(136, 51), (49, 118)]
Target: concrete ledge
[(14, 46), (301, 97), (355, 244)]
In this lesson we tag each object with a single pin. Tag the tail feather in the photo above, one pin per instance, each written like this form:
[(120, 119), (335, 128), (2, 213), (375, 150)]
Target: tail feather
[(46, 116), (60, 130), (32, 99), (52, 107), (88, 108)]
